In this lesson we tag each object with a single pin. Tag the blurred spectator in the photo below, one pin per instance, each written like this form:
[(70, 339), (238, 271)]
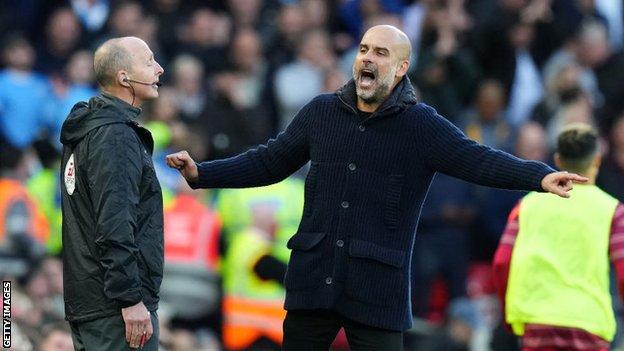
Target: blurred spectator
[(206, 38), (300, 81), (493, 205), (457, 333), (576, 108), (237, 117), (252, 285), (91, 13), (125, 19), (485, 122), (562, 80), (525, 86), (248, 62), (283, 43), (226, 124), (441, 248), (45, 189), (245, 13), (611, 175), (531, 143), (62, 37), (190, 288), (170, 16), (446, 74), (188, 82), (23, 94), (75, 86), (236, 208), (56, 338), (23, 227), (573, 53), (315, 13)]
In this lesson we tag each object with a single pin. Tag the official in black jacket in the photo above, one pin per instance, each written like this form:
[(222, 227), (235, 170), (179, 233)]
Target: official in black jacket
[(112, 206)]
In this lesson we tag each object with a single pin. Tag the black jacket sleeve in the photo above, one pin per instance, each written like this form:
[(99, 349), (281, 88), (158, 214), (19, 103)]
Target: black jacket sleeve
[(265, 164), (114, 172)]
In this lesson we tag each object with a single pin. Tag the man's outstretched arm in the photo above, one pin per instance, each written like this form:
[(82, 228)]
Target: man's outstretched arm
[(263, 165), (451, 152)]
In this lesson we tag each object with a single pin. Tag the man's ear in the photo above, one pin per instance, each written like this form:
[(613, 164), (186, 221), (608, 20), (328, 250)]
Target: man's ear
[(122, 78), (403, 68)]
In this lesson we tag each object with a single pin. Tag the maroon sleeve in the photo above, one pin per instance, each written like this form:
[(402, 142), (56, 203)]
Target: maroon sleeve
[(502, 257), (616, 246)]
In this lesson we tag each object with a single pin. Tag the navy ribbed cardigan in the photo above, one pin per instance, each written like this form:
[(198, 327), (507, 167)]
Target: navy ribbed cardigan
[(363, 194)]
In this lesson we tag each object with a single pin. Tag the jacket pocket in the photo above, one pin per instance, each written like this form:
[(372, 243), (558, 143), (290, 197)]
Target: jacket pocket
[(394, 187), (304, 268), (375, 274)]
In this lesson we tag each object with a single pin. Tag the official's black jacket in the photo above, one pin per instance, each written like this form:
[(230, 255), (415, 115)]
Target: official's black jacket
[(112, 211)]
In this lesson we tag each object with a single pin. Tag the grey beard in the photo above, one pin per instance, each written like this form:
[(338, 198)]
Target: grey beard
[(377, 96), (380, 94)]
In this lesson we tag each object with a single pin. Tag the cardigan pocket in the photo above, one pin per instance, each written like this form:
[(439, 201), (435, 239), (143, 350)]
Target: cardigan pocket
[(304, 268), (393, 188), (375, 274)]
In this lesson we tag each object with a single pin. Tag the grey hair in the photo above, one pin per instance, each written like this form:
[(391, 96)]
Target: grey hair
[(110, 58)]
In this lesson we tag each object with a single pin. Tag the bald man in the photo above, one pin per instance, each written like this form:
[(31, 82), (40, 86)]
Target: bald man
[(112, 206), (373, 150)]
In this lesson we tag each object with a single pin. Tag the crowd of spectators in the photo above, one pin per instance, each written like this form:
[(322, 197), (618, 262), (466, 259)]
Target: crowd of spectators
[(509, 73)]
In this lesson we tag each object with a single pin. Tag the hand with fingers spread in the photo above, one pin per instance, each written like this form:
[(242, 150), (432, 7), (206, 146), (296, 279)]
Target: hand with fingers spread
[(183, 162), (138, 325), (560, 183)]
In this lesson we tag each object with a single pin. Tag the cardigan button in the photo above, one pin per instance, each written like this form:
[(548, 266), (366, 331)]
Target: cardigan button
[(345, 204), (340, 243), (328, 280), (352, 166), (361, 128)]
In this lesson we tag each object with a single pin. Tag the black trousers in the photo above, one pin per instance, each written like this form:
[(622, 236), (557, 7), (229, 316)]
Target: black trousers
[(312, 330), (108, 334)]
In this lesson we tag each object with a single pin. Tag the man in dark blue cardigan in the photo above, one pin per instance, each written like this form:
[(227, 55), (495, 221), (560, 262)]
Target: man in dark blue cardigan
[(373, 150)]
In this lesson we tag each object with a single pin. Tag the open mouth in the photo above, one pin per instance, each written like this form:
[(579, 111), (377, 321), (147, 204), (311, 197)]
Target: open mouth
[(367, 78)]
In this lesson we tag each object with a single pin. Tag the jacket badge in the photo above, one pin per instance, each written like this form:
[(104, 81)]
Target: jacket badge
[(70, 175)]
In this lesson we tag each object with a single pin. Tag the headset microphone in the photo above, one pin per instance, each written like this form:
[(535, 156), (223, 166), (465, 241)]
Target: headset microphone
[(144, 83)]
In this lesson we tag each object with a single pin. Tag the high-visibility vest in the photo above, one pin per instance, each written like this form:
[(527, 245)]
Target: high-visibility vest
[(252, 307), (44, 188), (559, 272), (235, 208), (12, 192), (191, 232)]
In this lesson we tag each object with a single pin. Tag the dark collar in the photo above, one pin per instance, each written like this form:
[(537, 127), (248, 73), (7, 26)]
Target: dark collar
[(128, 111), (402, 96)]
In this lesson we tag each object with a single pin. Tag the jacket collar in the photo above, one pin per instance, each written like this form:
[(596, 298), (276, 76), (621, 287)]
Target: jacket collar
[(127, 111), (402, 97)]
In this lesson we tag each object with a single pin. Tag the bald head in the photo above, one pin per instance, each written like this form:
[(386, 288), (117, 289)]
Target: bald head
[(113, 56), (381, 63), (394, 37)]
